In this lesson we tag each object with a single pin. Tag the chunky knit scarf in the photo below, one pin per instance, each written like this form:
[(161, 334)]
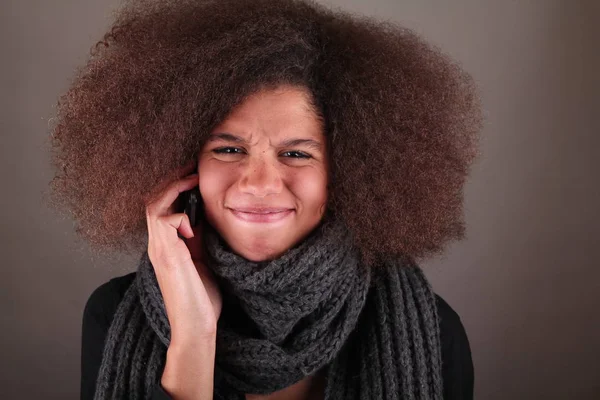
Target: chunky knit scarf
[(373, 331)]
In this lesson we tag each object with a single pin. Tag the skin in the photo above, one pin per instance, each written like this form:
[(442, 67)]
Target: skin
[(261, 171)]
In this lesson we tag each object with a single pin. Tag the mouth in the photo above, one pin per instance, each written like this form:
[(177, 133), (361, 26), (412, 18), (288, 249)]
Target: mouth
[(263, 215)]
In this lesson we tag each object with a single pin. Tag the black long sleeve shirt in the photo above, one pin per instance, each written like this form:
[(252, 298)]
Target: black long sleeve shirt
[(457, 365)]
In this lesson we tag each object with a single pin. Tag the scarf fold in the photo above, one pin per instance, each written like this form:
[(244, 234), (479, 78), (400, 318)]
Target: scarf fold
[(373, 331)]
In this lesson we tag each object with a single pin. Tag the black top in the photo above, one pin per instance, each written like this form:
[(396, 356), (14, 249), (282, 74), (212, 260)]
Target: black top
[(457, 365)]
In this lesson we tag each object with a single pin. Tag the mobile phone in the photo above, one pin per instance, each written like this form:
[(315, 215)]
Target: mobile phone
[(192, 202)]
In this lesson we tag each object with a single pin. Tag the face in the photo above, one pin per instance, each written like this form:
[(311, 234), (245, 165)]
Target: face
[(263, 173)]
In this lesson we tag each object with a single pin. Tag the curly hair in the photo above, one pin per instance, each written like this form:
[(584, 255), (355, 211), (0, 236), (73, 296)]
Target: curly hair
[(401, 118)]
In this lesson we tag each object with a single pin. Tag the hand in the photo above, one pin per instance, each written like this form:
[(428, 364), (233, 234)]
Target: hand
[(192, 297)]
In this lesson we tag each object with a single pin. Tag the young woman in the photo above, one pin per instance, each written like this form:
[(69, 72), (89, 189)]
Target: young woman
[(329, 150)]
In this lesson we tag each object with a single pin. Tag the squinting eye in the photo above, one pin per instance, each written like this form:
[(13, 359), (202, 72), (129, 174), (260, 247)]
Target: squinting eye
[(222, 150), (300, 155), (236, 150)]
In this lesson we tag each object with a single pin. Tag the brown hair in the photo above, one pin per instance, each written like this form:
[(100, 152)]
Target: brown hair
[(401, 118)]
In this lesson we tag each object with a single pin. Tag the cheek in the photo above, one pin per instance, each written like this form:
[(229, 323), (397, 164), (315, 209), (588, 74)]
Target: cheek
[(213, 181), (311, 188)]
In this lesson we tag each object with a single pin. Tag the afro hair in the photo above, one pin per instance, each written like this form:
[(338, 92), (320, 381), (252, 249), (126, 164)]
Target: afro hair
[(401, 118)]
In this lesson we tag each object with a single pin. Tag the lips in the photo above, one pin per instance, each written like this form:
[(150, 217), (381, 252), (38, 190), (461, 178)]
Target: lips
[(261, 214), (260, 210)]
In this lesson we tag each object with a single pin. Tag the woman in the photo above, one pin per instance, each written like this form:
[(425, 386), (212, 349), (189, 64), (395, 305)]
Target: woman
[(330, 151)]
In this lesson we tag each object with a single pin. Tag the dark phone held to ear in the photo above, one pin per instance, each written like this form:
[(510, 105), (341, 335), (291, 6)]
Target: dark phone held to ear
[(192, 206)]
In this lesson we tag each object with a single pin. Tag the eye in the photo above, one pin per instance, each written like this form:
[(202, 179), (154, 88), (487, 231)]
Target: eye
[(299, 154), (237, 150), (225, 150)]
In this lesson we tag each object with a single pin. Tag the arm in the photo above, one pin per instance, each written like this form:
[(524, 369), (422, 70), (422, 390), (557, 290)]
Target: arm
[(187, 376), (97, 317), (457, 363)]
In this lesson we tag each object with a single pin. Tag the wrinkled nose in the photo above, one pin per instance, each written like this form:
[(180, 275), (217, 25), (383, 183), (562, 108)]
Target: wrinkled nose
[(261, 178)]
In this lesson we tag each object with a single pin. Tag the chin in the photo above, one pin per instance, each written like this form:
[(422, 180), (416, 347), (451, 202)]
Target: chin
[(258, 246), (258, 241)]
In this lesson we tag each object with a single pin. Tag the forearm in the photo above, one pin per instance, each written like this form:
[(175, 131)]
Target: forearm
[(189, 370)]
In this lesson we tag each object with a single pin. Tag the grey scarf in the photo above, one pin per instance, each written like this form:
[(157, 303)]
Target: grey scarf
[(374, 331)]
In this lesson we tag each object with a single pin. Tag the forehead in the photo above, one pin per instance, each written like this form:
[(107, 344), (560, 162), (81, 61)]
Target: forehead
[(282, 112)]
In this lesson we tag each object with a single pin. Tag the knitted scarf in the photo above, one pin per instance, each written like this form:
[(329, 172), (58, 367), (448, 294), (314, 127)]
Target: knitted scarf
[(373, 331)]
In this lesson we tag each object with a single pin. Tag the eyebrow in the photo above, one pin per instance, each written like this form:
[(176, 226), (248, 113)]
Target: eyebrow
[(228, 137)]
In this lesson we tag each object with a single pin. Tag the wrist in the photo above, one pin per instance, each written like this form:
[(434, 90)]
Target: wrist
[(189, 369), (184, 344)]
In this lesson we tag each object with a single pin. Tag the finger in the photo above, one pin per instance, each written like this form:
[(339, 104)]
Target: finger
[(161, 206), (180, 222)]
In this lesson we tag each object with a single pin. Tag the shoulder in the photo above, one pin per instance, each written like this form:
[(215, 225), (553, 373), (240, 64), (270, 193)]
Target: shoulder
[(457, 363), (105, 298), (98, 313), (452, 330), (450, 322)]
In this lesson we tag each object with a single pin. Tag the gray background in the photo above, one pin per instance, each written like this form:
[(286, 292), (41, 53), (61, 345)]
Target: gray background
[(525, 281)]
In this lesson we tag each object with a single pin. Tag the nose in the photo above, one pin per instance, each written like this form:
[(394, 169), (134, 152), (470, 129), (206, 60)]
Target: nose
[(261, 177)]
